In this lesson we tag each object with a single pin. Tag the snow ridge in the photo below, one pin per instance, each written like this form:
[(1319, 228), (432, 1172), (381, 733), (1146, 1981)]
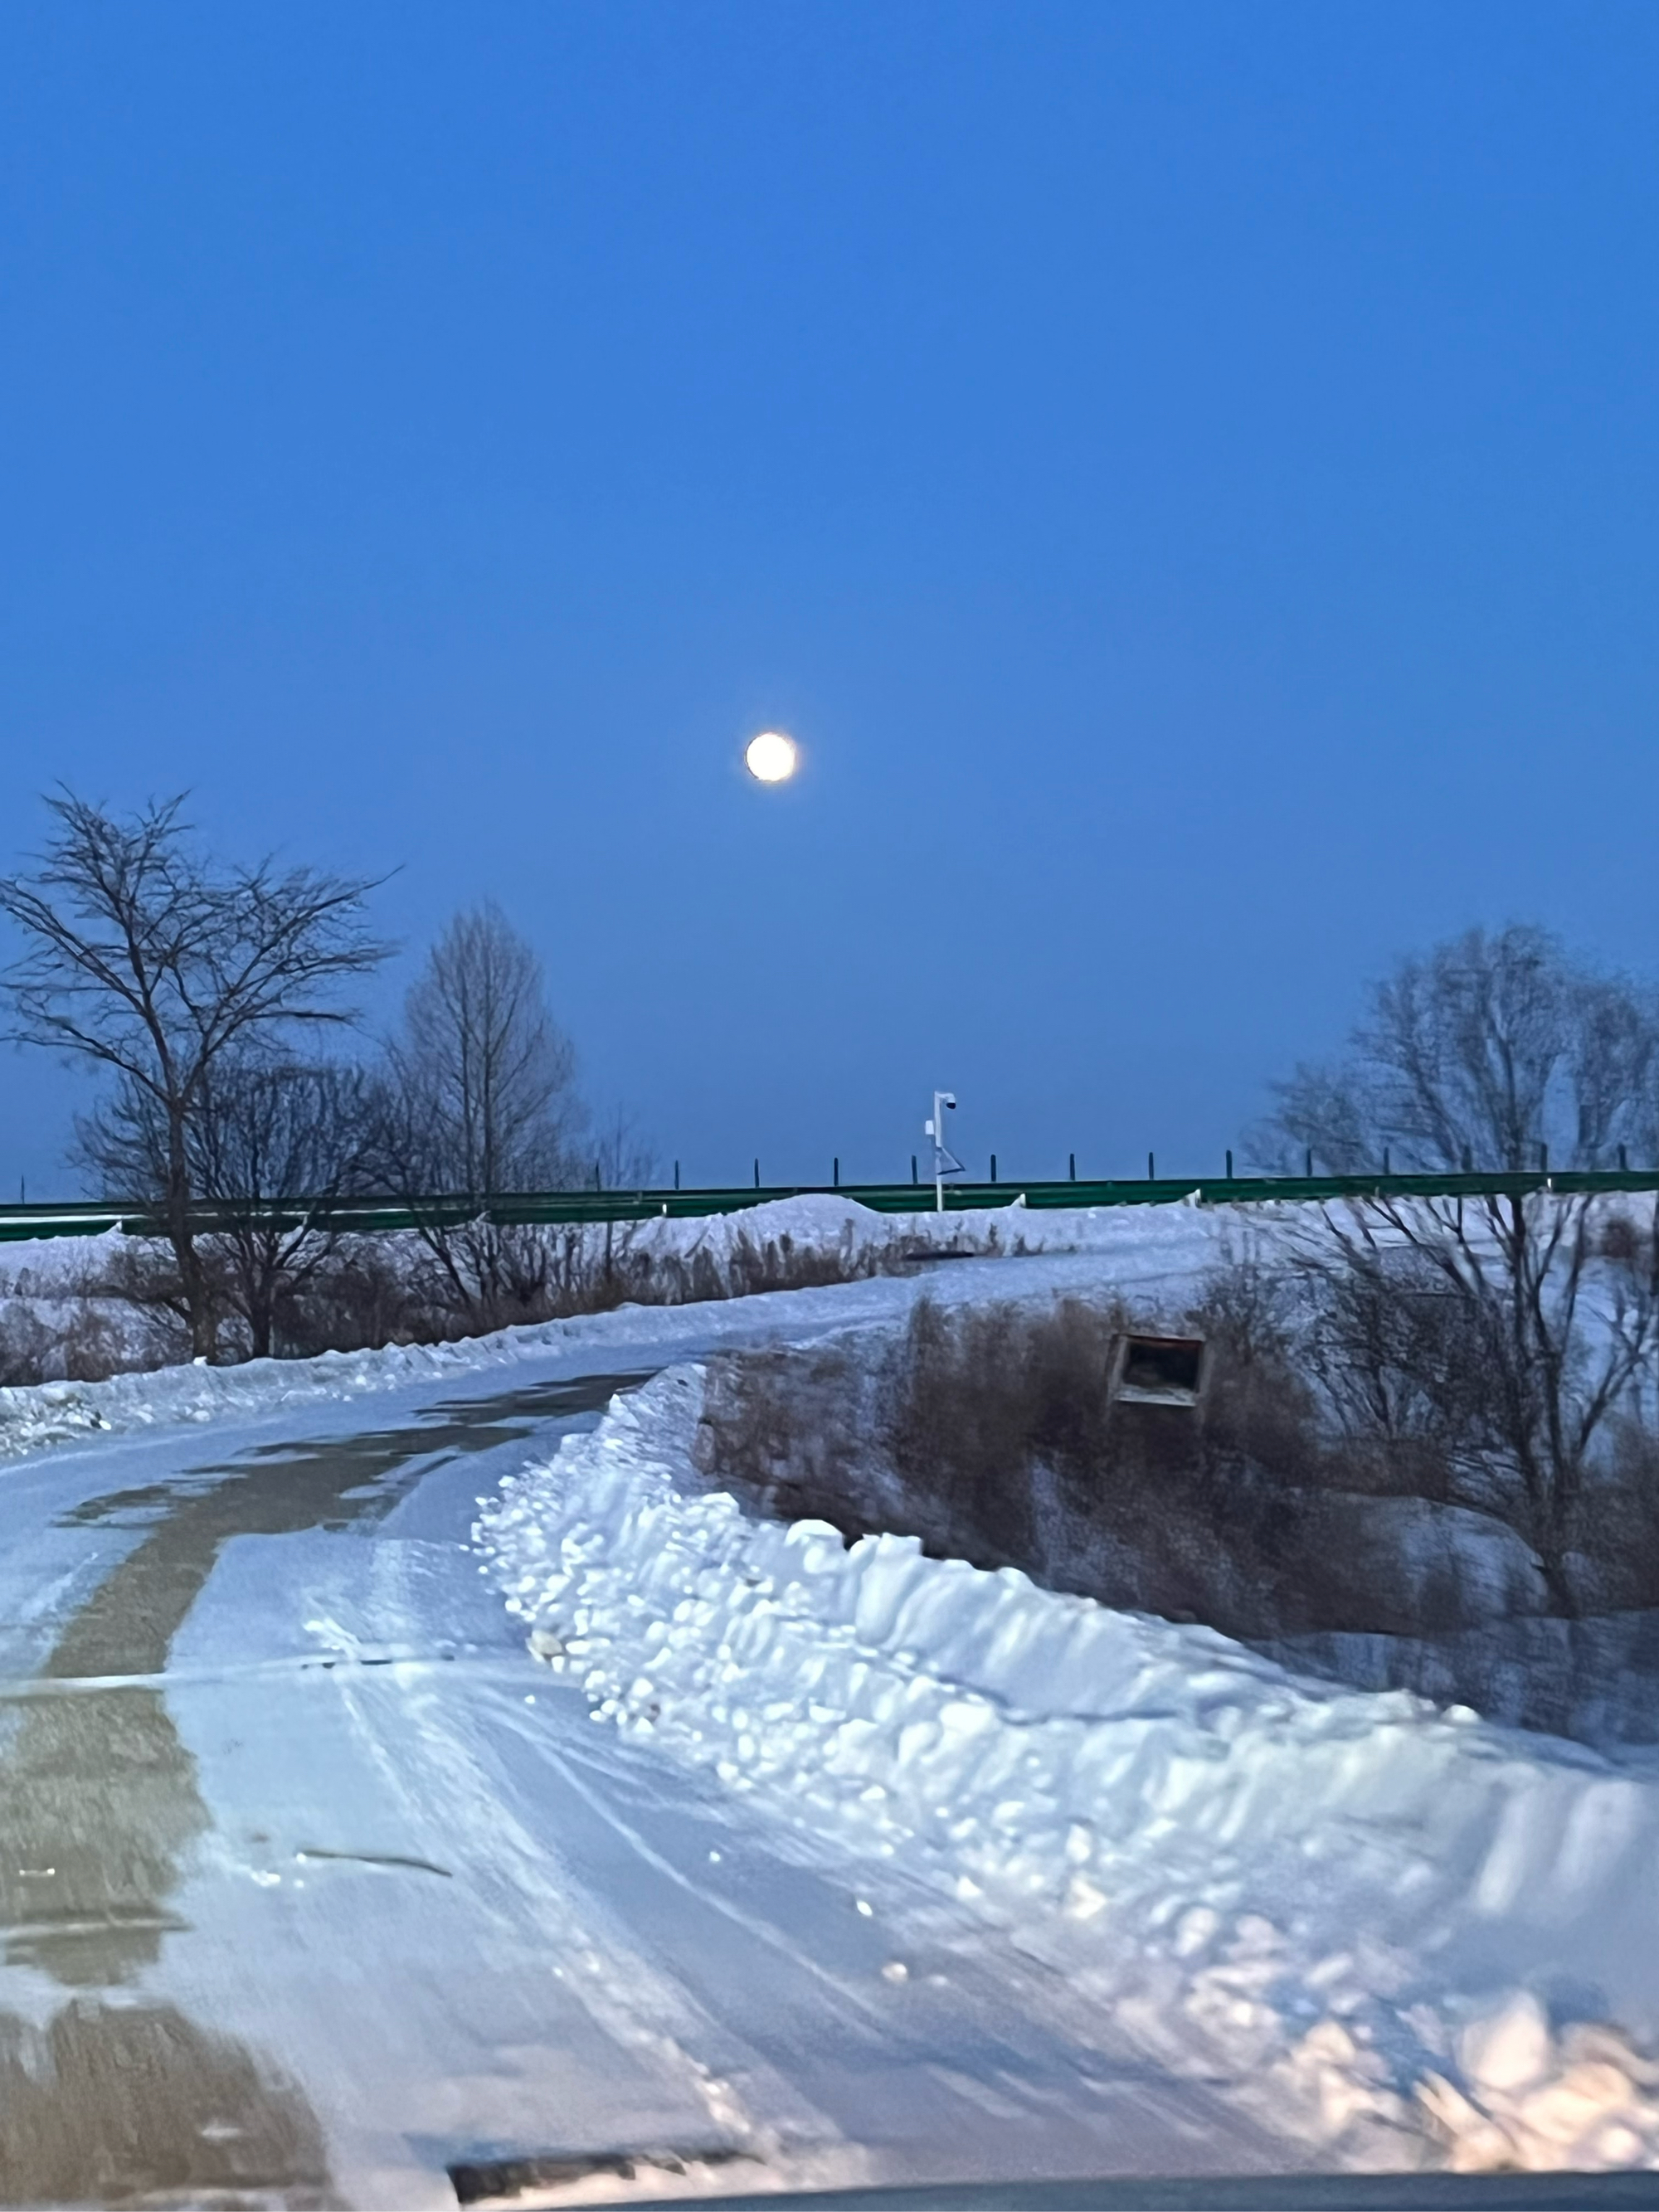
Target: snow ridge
[(1260, 1874)]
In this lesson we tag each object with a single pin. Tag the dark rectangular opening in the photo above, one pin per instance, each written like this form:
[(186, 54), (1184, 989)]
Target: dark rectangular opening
[(1159, 1370), (498, 2181)]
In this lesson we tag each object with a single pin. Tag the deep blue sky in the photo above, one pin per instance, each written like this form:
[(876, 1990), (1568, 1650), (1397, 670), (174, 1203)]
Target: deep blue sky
[(1189, 476)]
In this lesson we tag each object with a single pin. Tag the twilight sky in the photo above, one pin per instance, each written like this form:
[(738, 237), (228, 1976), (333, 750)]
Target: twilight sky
[(1188, 475)]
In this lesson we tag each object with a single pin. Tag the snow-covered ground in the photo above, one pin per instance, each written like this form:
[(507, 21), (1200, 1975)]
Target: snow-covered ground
[(817, 1220), (850, 1865), (295, 1831), (1162, 1251), (51, 1269)]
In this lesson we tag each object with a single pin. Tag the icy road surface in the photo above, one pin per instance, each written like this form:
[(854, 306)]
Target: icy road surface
[(316, 1885)]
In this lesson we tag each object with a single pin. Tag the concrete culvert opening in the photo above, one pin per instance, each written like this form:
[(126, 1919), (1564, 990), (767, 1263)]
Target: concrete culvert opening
[(1158, 1371)]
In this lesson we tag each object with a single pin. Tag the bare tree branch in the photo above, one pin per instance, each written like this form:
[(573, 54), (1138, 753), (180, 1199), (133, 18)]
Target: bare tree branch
[(141, 957), (480, 1102), (1492, 1053)]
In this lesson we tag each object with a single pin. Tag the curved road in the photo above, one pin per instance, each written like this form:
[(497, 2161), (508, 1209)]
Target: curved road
[(316, 1889)]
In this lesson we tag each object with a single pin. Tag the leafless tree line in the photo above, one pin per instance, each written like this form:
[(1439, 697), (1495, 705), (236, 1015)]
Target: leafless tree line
[(201, 992), (1512, 1341)]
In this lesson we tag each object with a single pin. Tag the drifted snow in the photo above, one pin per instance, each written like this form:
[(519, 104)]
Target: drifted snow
[(1346, 1904)]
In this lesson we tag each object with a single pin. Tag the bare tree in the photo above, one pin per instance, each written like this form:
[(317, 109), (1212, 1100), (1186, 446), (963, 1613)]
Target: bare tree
[(275, 1146), (144, 958), (492, 1073), (1509, 1329), (282, 1146), (1489, 1052), (480, 1103), (615, 1157)]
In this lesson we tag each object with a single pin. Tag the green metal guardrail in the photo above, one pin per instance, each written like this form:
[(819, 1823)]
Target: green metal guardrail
[(93, 1218), (1624, 2189)]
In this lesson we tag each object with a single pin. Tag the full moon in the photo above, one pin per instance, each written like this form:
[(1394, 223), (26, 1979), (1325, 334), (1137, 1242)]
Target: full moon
[(771, 758)]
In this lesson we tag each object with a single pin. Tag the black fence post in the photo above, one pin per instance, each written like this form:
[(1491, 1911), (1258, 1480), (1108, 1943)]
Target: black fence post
[(993, 1167), (1073, 1160), (1151, 1169), (837, 1171), (913, 1168), (757, 1175), (1386, 1168), (1309, 1163), (676, 1175), (1624, 1164), (1230, 1167), (1543, 1159)]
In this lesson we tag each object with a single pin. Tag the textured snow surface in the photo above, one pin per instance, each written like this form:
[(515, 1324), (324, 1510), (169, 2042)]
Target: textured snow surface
[(1400, 1931), (52, 1264)]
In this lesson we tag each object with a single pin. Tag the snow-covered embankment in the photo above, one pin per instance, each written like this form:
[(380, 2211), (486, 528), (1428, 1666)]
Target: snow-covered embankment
[(1392, 1931)]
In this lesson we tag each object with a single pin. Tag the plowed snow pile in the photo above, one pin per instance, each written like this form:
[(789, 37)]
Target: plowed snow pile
[(1399, 1934)]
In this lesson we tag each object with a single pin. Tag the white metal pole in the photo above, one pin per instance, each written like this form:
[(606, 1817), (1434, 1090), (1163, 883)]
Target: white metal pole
[(935, 1129)]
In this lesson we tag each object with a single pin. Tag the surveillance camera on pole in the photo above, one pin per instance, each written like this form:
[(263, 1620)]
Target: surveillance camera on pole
[(945, 1161)]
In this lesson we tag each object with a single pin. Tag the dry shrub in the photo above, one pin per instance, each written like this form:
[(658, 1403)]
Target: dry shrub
[(87, 1340), (358, 1300), (1615, 1536), (1004, 1415), (992, 1434), (26, 1347), (750, 1266), (96, 1346), (548, 1273), (364, 1291), (974, 1401), (788, 1428), (1273, 1512), (140, 1274)]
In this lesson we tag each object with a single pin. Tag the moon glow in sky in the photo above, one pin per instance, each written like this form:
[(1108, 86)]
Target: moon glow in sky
[(771, 758)]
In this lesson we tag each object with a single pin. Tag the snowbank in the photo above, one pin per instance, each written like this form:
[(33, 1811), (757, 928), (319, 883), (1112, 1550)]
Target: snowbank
[(824, 1221), (53, 1266), (1340, 1900)]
